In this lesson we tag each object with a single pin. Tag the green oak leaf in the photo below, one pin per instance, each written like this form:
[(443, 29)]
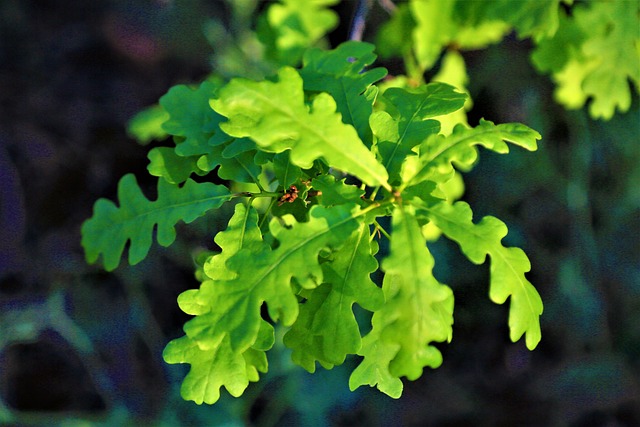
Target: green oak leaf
[(110, 227), (236, 158), (199, 139), (334, 192), (418, 310), (146, 126), (341, 73), (165, 163), (192, 119), (264, 275), (442, 23), (293, 26), (373, 370), (241, 232), (613, 43), (275, 116), (220, 366), (453, 71), (393, 34), (434, 29), (286, 173), (553, 53), (531, 18), (438, 153), (406, 120), (594, 54), (238, 146), (240, 168), (326, 329), (508, 265)]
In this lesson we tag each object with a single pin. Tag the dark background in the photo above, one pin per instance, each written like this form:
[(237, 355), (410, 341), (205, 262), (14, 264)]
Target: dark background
[(82, 347)]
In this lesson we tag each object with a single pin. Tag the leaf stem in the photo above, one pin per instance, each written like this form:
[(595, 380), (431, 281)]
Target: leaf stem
[(266, 213), (256, 195), (381, 230), (374, 193)]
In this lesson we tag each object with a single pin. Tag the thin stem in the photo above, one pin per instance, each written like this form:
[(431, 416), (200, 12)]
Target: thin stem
[(374, 193), (266, 213), (260, 187), (381, 230), (388, 6), (358, 23)]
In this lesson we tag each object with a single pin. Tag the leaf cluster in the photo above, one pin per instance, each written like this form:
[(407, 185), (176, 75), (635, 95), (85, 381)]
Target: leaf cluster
[(590, 48), (332, 154)]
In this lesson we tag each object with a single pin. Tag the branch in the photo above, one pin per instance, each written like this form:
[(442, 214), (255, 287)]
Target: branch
[(358, 22)]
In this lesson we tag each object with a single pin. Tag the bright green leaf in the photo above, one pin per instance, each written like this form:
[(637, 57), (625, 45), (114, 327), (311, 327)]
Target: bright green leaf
[(146, 126), (531, 18), (335, 192), (453, 71), (614, 44), (373, 370), (240, 168), (406, 121), (418, 310), (242, 232), (110, 227), (553, 53), (191, 117), (341, 73), (434, 29), (217, 367), (326, 329), (392, 36), (294, 26), (274, 115), (439, 153), (195, 126), (508, 265), (236, 301), (165, 163), (594, 54)]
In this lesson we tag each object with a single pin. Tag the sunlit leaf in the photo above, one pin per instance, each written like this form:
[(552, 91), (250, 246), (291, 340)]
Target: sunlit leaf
[(326, 329), (439, 153), (342, 73), (146, 126), (236, 301), (293, 26), (508, 265), (406, 120), (111, 227), (275, 117), (418, 310)]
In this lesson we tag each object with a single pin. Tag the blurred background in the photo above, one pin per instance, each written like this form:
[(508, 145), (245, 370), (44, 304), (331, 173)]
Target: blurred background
[(80, 347)]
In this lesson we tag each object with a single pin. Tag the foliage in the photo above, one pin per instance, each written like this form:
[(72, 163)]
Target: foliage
[(594, 54), (591, 52), (334, 154), (79, 346), (337, 153)]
